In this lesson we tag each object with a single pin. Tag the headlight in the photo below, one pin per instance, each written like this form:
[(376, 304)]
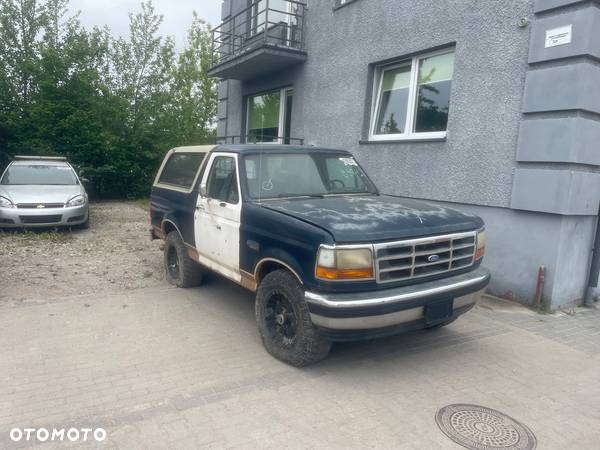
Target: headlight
[(78, 200), (344, 264), (480, 245), (6, 203)]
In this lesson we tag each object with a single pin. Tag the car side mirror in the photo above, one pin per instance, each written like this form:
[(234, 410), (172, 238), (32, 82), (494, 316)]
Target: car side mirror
[(203, 190), (84, 180)]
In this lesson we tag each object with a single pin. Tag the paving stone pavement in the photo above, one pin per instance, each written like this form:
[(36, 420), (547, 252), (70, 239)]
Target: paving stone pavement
[(175, 368)]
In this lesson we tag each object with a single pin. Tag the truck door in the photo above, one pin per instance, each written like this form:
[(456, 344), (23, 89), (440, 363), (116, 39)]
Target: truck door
[(217, 217)]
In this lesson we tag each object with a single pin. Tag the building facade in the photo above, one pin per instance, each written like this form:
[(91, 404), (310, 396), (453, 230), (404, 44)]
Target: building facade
[(492, 107)]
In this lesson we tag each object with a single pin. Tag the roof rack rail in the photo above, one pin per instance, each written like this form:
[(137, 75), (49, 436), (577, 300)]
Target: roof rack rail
[(40, 158)]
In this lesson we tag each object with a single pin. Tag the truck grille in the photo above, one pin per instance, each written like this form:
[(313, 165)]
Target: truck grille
[(39, 205), (41, 219), (417, 258)]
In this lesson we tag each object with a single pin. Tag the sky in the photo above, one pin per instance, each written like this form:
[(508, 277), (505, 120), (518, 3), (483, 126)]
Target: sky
[(177, 14)]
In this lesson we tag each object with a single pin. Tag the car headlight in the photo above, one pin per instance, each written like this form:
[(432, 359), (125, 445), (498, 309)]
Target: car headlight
[(6, 203), (78, 200), (480, 245), (344, 264)]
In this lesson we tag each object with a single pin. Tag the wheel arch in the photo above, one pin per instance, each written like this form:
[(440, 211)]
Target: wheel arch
[(271, 264), (168, 225)]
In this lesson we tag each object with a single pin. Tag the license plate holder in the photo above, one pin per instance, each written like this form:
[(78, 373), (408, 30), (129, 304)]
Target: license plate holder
[(438, 311)]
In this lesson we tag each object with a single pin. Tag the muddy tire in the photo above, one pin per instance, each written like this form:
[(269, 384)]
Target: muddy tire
[(180, 269), (284, 321)]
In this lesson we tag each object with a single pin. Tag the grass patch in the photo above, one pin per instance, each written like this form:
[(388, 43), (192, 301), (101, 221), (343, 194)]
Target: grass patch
[(143, 203), (27, 236)]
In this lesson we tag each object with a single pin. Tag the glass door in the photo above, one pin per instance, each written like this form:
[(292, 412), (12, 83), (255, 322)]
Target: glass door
[(269, 117), (275, 16)]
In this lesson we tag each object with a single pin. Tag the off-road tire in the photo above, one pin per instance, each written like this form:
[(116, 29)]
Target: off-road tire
[(188, 272), (306, 346)]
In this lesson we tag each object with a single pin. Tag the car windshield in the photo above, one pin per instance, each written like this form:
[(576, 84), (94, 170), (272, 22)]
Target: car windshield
[(271, 175), (39, 174)]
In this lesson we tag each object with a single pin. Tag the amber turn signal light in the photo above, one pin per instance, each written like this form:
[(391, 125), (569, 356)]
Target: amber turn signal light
[(327, 273)]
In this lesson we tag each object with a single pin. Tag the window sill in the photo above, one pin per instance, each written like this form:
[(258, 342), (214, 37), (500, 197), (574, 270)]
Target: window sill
[(335, 8), (404, 140)]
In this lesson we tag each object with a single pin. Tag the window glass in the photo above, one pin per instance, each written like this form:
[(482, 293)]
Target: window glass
[(413, 98), (37, 174), (433, 93), (181, 168), (263, 117), (301, 174), (344, 175), (222, 180), (393, 101), (278, 12)]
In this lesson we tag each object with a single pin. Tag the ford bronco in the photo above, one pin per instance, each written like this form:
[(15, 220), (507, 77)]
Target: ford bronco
[(329, 257)]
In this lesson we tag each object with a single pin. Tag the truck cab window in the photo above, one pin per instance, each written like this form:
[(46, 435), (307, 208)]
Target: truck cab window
[(222, 180), (181, 168)]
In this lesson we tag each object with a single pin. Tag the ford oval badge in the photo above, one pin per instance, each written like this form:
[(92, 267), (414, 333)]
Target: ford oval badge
[(433, 258)]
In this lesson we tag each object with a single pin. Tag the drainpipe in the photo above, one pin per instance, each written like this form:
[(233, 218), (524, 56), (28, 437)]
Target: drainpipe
[(594, 266), (539, 288)]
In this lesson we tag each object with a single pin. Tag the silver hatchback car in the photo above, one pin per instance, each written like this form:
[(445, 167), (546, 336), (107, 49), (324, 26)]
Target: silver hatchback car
[(42, 192)]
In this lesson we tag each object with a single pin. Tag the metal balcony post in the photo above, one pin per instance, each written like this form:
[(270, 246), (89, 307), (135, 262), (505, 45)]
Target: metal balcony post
[(266, 20)]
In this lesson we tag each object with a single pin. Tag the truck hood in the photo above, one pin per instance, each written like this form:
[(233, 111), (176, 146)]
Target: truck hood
[(40, 193), (376, 218)]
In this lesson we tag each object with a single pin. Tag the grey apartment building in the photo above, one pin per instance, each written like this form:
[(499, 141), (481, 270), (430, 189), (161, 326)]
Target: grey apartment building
[(488, 106)]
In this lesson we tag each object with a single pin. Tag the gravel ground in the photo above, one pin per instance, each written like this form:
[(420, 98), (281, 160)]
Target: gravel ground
[(114, 255)]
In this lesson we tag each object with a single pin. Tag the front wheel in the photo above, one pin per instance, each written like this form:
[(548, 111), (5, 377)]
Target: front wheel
[(180, 269), (284, 321)]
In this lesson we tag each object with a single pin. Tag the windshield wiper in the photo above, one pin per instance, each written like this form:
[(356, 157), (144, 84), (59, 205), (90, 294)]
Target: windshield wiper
[(300, 195)]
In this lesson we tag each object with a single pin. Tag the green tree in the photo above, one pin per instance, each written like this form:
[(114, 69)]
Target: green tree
[(113, 106), (192, 91)]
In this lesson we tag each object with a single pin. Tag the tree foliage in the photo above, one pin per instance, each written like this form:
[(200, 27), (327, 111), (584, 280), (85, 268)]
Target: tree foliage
[(112, 105)]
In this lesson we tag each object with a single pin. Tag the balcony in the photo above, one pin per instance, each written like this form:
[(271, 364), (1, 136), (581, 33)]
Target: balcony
[(250, 139), (267, 36)]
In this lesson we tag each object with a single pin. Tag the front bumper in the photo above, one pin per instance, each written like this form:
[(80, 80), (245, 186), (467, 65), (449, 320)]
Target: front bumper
[(379, 313), (43, 217)]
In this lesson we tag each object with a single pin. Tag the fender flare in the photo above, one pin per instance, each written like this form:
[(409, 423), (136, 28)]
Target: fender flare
[(282, 258)]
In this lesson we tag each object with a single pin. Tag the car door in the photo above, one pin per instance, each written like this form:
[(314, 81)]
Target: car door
[(217, 216)]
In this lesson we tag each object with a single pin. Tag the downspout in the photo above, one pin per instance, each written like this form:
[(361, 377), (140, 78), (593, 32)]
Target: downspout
[(594, 266)]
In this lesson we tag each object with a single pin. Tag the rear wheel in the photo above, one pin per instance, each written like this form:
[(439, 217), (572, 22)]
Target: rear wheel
[(284, 321), (180, 269)]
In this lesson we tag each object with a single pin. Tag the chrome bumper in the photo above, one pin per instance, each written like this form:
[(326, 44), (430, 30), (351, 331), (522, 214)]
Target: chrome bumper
[(397, 306), (46, 217)]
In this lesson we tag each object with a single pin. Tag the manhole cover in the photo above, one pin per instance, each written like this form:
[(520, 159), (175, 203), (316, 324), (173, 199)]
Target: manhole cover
[(479, 428)]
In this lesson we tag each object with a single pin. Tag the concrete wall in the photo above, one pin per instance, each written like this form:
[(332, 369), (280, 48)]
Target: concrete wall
[(524, 124), (332, 105), (519, 242)]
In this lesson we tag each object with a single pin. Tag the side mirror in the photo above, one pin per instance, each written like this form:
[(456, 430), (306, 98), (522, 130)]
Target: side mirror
[(203, 190), (84, 180)]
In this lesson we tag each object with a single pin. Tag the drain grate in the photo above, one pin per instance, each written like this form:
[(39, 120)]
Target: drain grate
[(479, 428)]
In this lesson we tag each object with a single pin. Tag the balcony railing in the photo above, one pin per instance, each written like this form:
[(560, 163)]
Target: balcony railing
[(277, 25), (246, 139)]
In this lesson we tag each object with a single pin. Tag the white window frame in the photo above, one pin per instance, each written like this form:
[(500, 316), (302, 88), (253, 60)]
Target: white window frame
[(409, 134), (282, 104)]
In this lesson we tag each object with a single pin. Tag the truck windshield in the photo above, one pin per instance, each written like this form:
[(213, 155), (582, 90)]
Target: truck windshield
[(271, 175), (38, 174)]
